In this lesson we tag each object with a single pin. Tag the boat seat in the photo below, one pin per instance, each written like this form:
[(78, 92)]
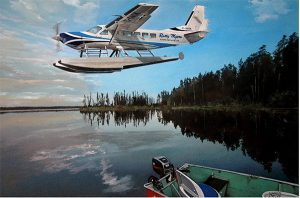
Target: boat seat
[(216, 183), (208, 191)]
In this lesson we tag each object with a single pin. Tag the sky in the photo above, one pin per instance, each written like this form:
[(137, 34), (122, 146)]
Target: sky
[(27, 77)]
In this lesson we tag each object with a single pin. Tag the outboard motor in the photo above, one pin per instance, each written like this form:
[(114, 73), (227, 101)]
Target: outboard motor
[(162, 166)]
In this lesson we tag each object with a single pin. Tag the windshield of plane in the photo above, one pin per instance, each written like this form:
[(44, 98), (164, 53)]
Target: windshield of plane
[(94, 30)]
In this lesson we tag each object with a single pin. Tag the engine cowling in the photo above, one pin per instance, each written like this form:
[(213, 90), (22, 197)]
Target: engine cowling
[(162, 166)]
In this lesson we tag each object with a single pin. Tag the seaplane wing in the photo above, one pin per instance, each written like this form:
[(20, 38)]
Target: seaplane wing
[(132, 19)]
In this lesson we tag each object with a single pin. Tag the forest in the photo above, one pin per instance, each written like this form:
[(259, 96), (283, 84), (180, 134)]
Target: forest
[(264, 78), (119, 99), (269, 79)]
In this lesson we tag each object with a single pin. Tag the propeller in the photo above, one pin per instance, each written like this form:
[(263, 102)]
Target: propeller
[(56, 37)]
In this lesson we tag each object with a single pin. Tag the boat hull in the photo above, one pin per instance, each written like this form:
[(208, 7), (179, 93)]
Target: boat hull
[(239, 184)]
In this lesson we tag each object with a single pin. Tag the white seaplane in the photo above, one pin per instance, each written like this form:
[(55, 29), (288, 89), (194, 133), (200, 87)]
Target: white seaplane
[(103, 49)]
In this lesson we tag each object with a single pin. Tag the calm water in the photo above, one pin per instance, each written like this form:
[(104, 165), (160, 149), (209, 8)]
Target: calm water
[(109, 153)]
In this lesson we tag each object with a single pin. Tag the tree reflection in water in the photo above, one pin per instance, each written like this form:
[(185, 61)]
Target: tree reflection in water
[(265, 137), (136, 118)]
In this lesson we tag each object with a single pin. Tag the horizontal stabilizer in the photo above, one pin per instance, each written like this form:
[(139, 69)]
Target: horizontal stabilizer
[(195, 36)]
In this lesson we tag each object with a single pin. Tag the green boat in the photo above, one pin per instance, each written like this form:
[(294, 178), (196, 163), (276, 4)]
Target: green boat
[(200, 181)]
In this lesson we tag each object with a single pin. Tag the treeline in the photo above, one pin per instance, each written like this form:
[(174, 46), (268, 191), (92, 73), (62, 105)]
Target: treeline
[(119, 99), (265, 78)]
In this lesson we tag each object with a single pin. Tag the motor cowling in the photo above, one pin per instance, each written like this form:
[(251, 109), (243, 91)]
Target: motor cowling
[(162, 166)]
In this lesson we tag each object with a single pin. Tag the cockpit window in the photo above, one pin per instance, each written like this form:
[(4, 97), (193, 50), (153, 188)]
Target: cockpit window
[(94, 30), (104, 32)]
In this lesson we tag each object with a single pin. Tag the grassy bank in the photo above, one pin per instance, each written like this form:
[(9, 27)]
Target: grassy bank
[(220, 107), (215, 107)]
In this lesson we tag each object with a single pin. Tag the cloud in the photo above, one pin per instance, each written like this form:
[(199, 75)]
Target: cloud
[(27, 53), (27, 75), (84, 12), (12, 44), (75, 3), (265, 10), (39, 92), (10, 18), (34, 12), (28, 8), (38, 100)]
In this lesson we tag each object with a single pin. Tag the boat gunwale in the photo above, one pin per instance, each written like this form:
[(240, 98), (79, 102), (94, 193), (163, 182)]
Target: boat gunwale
[(153, 190), (147, 185), (243, 174)]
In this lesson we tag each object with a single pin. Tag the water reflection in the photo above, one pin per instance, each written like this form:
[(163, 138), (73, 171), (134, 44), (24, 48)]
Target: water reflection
[(68, 158), (115, 184), (58, 154), (120, 118), (265, 137)]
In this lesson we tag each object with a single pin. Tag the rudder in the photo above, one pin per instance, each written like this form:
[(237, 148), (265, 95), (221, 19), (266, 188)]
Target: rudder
[(196, 20)]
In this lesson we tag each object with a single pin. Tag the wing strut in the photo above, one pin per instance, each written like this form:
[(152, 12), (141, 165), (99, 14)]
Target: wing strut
[(115, 32)]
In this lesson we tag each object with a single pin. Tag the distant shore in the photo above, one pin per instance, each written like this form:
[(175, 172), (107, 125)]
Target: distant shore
[(38, 109)]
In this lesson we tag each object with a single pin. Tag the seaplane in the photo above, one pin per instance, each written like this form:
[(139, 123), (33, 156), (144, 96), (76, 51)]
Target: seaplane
[(105, 48)]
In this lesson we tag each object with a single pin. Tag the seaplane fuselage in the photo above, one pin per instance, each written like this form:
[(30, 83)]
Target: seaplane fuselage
[(141, 39)]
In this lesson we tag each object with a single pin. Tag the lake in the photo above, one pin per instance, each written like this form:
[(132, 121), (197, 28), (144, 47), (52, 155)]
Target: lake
[(109, 153)]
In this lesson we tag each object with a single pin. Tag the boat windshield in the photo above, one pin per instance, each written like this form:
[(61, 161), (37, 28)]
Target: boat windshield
[(94, 30)]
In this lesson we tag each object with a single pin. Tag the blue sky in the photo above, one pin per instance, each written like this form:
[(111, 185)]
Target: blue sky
[(237, 29)]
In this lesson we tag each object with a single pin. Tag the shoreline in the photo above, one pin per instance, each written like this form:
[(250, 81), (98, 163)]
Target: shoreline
[(226, 108)]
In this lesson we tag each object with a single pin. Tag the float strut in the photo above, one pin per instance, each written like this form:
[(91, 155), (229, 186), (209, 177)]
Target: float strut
[(111, 55)]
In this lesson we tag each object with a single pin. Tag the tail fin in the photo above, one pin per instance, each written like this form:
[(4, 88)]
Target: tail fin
[(197, 21)]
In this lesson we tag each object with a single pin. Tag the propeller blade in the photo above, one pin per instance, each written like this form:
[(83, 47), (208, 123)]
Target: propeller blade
[(58, 47), (56, 37), (56, 27)]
